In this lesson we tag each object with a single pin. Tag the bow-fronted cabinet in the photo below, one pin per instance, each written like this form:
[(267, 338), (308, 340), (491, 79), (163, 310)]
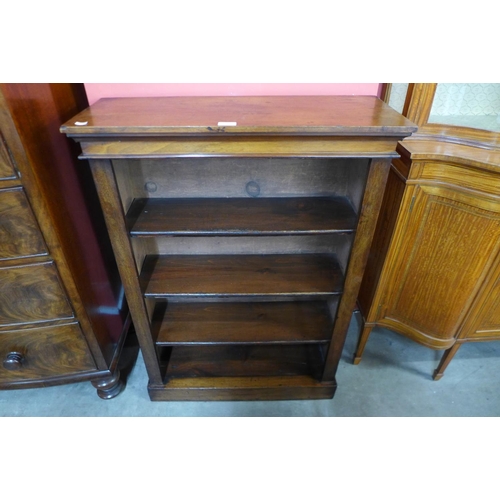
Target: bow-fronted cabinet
[(434, 266)]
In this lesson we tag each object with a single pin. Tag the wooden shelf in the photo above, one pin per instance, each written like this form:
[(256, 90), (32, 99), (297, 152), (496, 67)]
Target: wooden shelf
[(313, 275), (243, 372), (242, 388), (243, 323), (240, 216), (245, 361)]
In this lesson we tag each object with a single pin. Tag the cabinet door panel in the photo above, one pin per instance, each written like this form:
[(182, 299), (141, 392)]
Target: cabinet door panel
[(444, 254), (483, 322)]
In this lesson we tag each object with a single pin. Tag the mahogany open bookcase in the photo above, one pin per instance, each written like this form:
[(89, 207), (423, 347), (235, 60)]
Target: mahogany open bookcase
[(241, 227)]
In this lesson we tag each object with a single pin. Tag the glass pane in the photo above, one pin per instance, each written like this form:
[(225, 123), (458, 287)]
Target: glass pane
[(397, 96), (475, 105)]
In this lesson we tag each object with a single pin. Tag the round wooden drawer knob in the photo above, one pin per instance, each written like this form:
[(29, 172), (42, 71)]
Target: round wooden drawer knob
[(13, 361)]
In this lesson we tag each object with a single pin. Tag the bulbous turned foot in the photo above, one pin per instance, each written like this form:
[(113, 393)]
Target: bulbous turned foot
[(109, 387)]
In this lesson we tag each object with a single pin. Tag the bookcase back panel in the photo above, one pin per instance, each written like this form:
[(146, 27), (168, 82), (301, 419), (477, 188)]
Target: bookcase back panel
[(240, 178)]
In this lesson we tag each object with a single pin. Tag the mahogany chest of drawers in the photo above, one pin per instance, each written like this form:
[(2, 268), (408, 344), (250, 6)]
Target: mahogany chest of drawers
[(62, 313)]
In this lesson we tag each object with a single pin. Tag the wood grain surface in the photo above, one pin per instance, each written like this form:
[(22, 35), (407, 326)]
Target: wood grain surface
[(62, 196), (241, 216), (46, 352), (483, 320), (19, 232), (6, 167), (434, 274), (242, 389), (32, 293), (337, 115), (225, 146), (372, 200), (381, 240), (244, 323), (241, 275), (244, 361), (432, 290)]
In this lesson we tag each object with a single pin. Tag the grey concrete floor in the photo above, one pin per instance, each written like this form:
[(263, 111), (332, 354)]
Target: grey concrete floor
[(393, 379)]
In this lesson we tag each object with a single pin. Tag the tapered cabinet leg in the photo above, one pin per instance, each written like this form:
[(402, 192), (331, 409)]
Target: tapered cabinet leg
[(445, 361), (362, 343), (109, 387)]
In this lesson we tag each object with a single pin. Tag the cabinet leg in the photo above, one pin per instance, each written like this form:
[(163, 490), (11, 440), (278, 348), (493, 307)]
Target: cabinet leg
[(109, 387), (362, 343), (445, 361)]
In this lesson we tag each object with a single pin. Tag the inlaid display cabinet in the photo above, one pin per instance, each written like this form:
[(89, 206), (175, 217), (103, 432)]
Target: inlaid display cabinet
[(434, 269), (63, 317), (241, 228)]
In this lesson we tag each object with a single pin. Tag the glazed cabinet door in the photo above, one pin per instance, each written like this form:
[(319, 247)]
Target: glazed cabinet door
[(441, 254)]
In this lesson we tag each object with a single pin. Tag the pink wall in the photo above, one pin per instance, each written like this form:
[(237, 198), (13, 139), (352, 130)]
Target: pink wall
[(97, 90)]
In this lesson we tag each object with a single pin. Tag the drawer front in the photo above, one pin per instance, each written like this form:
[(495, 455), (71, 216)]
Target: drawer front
[(19, 232), (456, 175), (30, 294), (485, 334), (6, 169), (46, 352)]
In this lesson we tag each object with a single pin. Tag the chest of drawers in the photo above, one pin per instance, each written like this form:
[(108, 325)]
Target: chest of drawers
[(62, 314)]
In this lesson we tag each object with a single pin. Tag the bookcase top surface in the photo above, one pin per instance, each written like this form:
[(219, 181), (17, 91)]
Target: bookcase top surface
[(321, 115)]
